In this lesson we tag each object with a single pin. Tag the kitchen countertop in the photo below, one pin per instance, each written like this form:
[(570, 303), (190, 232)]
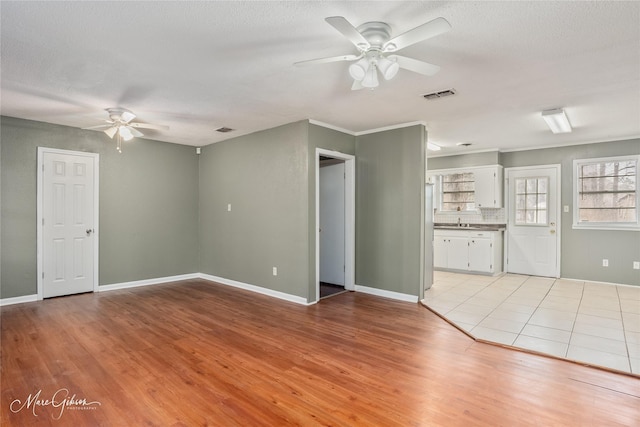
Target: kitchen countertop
[(472, 227)]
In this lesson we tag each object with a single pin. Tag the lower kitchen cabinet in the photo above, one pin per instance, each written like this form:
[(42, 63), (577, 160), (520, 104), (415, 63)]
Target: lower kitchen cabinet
[(468, 250)]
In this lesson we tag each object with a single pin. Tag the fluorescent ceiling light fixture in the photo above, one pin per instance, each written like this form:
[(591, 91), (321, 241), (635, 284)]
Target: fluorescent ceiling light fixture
[(433, 147), (557, 120)]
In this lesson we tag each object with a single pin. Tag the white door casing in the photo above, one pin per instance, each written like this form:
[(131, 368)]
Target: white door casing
[(332, 266), (533, 248), (67, 222), (349, 214)]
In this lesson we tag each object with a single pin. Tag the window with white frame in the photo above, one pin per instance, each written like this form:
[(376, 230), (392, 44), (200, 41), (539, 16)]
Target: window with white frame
[(458, 192), (606, 192)]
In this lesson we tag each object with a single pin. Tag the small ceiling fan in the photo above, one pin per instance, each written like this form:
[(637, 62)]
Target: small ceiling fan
[(120, 126), (377, 50)]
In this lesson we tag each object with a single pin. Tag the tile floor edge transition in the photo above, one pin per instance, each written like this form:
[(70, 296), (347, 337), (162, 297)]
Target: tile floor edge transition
[(526, 350)]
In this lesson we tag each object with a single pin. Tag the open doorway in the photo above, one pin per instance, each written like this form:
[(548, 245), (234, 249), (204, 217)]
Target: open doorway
[(335, 220), (332, 226)]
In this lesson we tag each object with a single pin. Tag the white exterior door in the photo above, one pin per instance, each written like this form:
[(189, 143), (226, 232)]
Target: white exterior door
[(67, 222), (533, 238), (332, 224)]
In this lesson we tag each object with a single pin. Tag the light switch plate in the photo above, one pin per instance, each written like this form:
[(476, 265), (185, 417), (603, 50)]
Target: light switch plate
[(566, 208)]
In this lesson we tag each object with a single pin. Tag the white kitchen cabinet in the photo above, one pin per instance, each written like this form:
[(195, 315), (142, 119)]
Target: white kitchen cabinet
[(440, 251), (480, 251), (488, 191), (457, 246), (468, 250)]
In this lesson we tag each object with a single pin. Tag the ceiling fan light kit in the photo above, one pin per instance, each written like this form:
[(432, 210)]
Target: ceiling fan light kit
[(377, 50)]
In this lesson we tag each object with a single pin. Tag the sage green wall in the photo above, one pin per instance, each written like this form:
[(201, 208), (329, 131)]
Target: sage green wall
[(464, 160), (148, 205), (583, 250), (329, 139), (390, 171), (264, 176)]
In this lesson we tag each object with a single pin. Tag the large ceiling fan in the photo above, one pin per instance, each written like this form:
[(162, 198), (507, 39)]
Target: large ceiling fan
[(377, 50), (120, 126)]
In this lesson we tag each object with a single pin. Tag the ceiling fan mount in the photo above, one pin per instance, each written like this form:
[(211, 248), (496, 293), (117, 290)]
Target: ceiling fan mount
[(120, 115), (376, 33), (377, 50)]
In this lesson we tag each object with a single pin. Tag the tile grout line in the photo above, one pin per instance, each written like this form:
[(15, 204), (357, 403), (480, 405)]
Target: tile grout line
[(574, 320), (624, 332)]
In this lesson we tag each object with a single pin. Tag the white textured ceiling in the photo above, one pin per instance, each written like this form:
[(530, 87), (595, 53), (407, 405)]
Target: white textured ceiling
[(197, 66)]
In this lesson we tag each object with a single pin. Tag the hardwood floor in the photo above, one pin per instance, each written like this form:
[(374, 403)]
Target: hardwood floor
[(195, 353)]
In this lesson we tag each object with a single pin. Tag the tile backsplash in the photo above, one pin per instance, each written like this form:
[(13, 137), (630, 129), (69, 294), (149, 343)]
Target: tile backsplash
[(485, 216)]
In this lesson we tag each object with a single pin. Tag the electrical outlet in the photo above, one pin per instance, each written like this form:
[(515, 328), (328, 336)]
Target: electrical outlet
[(275, 271), (605, 263), (566, 208), (636, 265)]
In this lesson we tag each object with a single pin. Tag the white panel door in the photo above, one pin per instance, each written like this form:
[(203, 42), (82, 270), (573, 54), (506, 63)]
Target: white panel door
[(67, 224), (332, 224), (532, 226)]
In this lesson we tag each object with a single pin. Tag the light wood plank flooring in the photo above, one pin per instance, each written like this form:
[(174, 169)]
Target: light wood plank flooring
[(196, 353)]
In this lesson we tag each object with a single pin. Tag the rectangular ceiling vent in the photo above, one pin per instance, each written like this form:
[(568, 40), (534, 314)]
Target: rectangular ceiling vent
[(224, 130), (440, 94)]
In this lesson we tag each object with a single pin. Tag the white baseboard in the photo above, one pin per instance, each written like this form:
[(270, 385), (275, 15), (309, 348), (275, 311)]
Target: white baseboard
[(147, 282), (257, 289), (253, 288), (386, 294), (18, 300)]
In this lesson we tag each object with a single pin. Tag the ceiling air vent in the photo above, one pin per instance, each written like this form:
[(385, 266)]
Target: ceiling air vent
[(440, 94), (224, 130)]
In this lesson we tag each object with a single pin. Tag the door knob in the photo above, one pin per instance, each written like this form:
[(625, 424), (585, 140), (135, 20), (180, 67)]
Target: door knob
[(89, 231)]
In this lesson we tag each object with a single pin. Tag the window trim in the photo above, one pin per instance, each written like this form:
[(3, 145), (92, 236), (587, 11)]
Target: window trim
[(633, 226)]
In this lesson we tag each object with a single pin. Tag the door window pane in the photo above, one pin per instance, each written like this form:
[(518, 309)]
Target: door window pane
[(531, 200)]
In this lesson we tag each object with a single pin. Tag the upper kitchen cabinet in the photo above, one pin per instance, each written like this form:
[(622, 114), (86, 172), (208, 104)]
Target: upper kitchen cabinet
[(488, 182), (467, 189)]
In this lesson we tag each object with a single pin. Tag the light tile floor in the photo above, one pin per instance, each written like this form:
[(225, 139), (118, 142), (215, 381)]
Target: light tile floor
[(582, 321)]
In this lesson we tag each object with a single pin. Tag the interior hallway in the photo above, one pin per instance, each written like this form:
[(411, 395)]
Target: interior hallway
[(588, 322)]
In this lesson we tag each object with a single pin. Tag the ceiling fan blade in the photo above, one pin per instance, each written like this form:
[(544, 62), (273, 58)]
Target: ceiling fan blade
[(326, 60), (148, 126), (111, 131), (414, 65), (127, 116), (99, 127), (425, 31), (349, 31), (135, 132)]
